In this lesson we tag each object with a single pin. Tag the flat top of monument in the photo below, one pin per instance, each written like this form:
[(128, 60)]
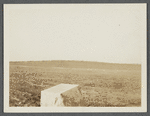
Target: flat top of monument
[(60, 88)]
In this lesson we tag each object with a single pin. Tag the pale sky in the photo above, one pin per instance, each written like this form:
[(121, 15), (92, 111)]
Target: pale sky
[(88, 32)]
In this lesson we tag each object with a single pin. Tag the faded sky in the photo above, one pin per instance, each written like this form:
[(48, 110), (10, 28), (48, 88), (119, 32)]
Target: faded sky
[(104, 33)]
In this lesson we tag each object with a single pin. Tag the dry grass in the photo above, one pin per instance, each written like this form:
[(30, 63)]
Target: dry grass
[(102, 85)]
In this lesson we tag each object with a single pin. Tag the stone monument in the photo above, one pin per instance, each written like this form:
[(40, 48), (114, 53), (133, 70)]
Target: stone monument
[(61, 95)]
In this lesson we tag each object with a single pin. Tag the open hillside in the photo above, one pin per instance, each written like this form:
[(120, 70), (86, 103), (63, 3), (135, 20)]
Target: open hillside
[(101, 84)]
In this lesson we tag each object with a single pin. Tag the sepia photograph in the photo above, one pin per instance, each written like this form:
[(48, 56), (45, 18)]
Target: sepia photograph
[(75, 58)]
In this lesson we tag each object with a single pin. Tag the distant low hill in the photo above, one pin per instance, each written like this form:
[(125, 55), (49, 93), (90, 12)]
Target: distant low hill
[(78, 64)]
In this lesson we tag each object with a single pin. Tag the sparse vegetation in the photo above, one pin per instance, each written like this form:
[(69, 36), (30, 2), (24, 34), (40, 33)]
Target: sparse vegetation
[(102, 84)]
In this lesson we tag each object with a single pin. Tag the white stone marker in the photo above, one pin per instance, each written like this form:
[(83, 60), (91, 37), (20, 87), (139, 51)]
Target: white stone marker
[(61, 95)]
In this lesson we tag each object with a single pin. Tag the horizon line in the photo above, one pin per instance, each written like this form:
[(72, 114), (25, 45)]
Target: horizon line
[(75, 61)]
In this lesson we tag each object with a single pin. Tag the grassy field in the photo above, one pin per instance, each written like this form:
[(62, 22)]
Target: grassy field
[(102, 84)]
